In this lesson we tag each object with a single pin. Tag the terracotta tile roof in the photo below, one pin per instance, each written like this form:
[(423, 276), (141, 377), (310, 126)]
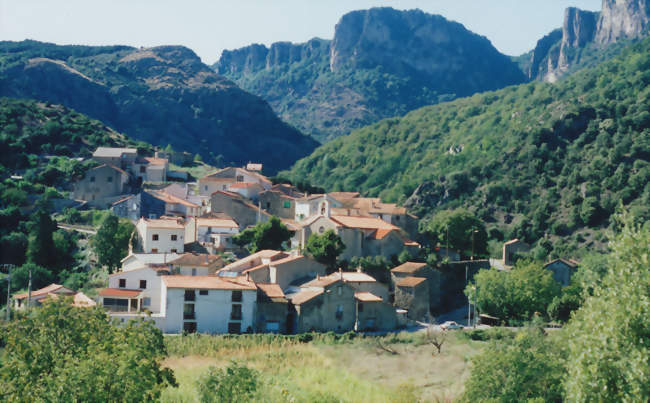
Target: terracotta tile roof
[(381, 233), (323, 281), (169, 198), (45, 290), (410, 281), (123, 200), (270, 290), (206, 283), (287, 259), (363, 222), (343, 196), (367, 297), (156, 161), (196, 259), (244, 185), (408, 267), (311, 197), (292, 225), (217, 222), (213, 179), (356, 277), (305, 296), (119, 292), (162, 223), (82, 300)]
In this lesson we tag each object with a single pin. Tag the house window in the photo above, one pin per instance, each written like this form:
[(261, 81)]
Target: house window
[(154, 250), (205, 187), (122, 283), (146, 301), (109, 179), (240, 178), (286, 204), (174, 251), (339, 312), (234, 327), (143, 283), (188, 311), (339, 290), (236, 296), (194, 272), (143, 169), (190, 295), (174, 237), (154, 237), (203, 292), (235, 313), (396, 218), (273, 327), (189, 327), (92, 179), (321, 230), (268, 205), (360, 307)]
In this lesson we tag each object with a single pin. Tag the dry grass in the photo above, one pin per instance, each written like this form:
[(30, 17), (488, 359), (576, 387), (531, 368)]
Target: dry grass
[(348, 371)]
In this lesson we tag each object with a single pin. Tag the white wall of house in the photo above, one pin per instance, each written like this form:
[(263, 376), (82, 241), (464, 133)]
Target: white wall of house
[(212, 311), (164, 243), (132, 282), (309, 208)]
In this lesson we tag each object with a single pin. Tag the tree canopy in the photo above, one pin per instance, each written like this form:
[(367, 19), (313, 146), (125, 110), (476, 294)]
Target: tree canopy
[(272, 234), (63, 353), (462, 229), (325, 248), (111, 242)]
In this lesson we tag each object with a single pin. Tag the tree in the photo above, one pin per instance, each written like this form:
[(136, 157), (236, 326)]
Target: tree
[(268, 235), (111, 243), (235, 383), (41, 249), (515, 295), (64, 353), (608, 336), (530, 366), (41, 277), (460, 224), (325, 248), (13, 248)]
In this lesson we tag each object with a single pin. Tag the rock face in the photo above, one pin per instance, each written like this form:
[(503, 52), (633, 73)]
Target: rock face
[(162, 95), (623, 19), (380, 63), (558, 52)]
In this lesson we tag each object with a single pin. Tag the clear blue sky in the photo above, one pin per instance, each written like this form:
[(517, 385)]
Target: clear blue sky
[(208, 27)]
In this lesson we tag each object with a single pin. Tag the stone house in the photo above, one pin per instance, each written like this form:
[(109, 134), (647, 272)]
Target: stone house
[(216, 230), (22, 300), (101, 185), (326, 305), (150, 169), (373, 313), (221, 179), (120, 157), (278, 204), (272, 309), (196, 264), (314, 205), (245, 213), (420, 270), (249, 190), (412, 294), (511, 248), (562, 270)]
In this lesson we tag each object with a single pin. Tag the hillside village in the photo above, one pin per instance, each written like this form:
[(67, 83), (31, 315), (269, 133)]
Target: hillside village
[(185, 272)]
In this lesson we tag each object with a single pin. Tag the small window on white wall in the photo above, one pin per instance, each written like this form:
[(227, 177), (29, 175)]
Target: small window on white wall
[(321, 230)]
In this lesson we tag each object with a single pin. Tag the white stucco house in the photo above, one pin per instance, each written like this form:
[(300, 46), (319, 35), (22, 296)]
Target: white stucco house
[(318, 204), (161, 235), (208, 304)]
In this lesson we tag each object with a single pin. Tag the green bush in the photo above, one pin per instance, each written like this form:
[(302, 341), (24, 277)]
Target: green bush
[(235, 383)]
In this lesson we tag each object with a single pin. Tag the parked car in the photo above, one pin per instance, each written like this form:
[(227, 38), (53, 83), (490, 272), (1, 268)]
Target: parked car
[(450, 325)]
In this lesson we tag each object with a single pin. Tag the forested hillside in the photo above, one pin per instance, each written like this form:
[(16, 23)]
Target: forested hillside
[(544, 159), (162, 95)]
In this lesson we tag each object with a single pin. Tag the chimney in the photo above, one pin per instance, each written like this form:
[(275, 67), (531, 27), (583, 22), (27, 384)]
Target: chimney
[(318, 276), (248, 276), (207, 260), (359, 270)]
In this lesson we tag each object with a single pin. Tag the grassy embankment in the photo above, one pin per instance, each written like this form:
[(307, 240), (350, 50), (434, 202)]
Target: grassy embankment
[(393, 368)]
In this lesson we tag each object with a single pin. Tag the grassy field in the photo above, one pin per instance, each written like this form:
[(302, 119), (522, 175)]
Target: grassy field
[(329, 368)]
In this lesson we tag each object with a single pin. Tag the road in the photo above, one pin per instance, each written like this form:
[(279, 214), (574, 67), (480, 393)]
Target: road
[(79, 228)]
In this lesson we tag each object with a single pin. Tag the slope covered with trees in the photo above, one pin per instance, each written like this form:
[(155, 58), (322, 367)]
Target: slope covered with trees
[(541, 159), (162, 95)]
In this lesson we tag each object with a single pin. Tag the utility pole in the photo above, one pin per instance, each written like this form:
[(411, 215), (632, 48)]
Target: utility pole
[(447, 250), (29, 289), (469, 304)]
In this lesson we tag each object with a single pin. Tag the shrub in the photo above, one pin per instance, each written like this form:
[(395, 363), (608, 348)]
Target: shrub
[(235, 383)]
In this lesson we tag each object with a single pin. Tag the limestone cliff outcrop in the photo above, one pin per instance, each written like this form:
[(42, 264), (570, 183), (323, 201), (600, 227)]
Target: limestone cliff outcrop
[(381, 62), (558, 52)]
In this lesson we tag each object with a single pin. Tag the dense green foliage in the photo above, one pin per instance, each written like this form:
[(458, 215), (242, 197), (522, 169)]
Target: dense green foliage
[(272, 234), (235, 383), (325, 248), (63, 353), (608, 337), (533, 159), (459, 229), (530, 366), (516, 295), (111, 242)]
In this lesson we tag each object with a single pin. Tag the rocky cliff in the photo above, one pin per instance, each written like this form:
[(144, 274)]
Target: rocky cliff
[(381, 62), (584, 36), (161, 95)]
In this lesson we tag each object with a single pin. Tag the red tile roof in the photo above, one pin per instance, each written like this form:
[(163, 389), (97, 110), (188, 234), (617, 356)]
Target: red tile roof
[(119, 292), (367, 297), (207, 283), (196, 259), (410, 281), (304, 296), (271, 290), (46, 290), (408, 267)]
